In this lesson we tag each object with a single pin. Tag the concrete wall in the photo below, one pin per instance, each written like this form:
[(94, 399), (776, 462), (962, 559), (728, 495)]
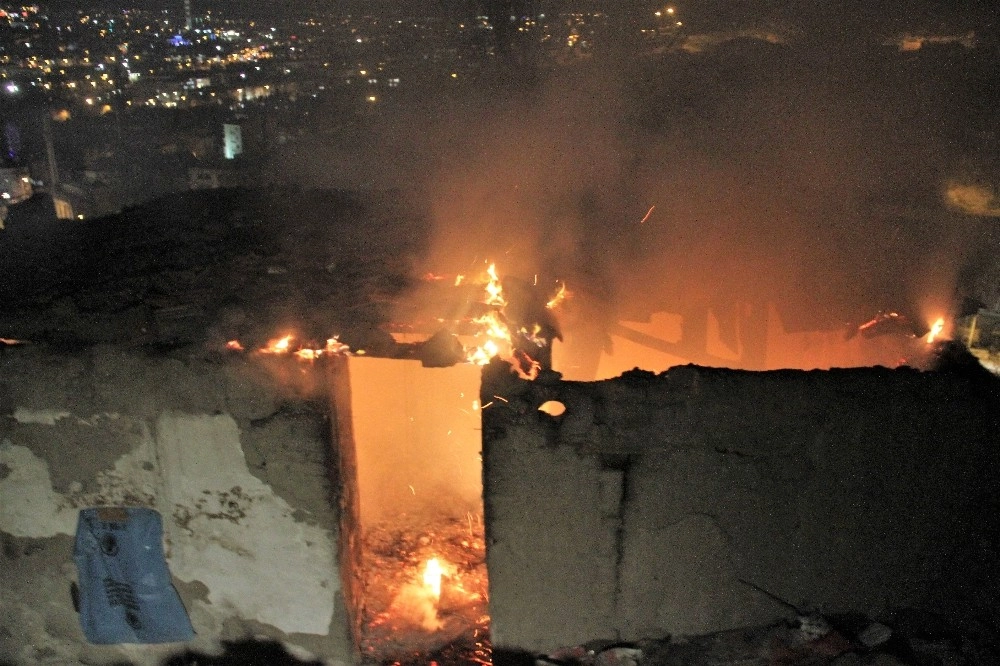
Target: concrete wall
[(638, 511), (634, 514), (232, 451)]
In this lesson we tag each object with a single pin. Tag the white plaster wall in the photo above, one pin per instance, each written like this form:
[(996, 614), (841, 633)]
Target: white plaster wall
[(232, 533), (30, 507), (224, 527)]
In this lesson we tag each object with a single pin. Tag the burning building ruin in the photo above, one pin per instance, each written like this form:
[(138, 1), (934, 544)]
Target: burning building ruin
[(380, 506), (374, 509)]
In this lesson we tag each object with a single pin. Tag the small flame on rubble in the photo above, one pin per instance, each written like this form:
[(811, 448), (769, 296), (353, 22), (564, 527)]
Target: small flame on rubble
[(936, 328), (432, 577), (234, 345), (279, 346), (427, 603), (416, 603)]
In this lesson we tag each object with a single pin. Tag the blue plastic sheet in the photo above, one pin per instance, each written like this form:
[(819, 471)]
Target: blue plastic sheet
[(126, 594)]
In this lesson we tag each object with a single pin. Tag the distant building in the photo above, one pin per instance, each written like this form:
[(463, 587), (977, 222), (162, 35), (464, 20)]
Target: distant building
[(15, 185), (212, 178), (232, 141), (82, 200)]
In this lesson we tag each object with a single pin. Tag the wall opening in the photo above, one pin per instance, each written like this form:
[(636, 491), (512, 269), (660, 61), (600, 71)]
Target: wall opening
[(746, 336), (412, 535)]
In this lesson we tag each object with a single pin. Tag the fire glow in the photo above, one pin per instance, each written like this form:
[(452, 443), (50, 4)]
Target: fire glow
[(432, 577), (416, 603)]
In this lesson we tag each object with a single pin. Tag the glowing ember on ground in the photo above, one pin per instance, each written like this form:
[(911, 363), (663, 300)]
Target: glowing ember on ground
[(935, 331), (234, 345)]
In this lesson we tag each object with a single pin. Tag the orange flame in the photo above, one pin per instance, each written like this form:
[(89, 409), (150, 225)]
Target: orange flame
[(494, 289), (416, 602), (432, 577), (560, 296), (284, 346), (491, 326), (936, 330), (499, 339), (278, 345)]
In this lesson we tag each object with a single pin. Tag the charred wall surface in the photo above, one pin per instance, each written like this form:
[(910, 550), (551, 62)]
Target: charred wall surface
[(645, 508), (232, 451)]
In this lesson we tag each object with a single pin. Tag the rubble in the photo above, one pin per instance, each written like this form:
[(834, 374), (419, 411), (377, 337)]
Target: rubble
[(903, 641)]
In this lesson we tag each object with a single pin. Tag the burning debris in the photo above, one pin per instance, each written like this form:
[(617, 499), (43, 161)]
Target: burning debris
[(306, 351), (288, 345), (426, 594), (516, 323), (887, 323), (509, 318)]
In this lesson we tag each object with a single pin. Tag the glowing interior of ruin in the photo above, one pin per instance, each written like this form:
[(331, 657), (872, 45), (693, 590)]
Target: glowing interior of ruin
[(422, 570)]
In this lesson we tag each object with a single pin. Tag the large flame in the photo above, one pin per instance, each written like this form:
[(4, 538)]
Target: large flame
[(494, 336)]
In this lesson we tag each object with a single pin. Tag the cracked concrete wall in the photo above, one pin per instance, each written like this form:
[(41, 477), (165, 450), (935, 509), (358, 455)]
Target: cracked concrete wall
[(232, 450), (638, 511)]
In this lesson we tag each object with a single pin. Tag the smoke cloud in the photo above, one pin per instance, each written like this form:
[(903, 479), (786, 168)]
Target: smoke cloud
[(812, 174)]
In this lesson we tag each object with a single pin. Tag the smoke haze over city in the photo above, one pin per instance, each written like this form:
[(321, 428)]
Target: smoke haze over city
[(656, 157)]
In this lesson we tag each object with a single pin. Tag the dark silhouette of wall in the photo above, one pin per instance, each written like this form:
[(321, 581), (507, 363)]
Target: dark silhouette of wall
[(646, 506)]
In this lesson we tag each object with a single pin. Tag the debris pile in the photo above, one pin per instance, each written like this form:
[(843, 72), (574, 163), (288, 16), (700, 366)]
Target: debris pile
[(909, 637)]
